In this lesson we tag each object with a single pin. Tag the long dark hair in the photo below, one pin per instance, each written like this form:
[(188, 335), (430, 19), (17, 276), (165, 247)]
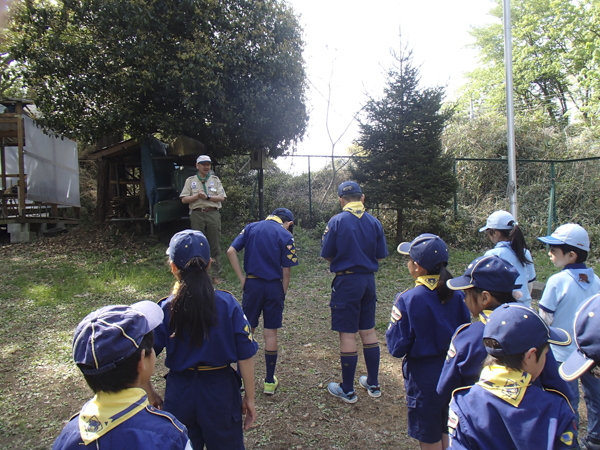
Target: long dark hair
[(193, 309), (443, 291), (517, 242)]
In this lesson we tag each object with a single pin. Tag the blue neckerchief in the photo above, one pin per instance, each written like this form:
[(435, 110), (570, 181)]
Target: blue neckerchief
[(575, 266)]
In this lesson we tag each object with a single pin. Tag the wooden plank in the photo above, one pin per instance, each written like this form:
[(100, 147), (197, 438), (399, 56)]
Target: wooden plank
[(21, 133)]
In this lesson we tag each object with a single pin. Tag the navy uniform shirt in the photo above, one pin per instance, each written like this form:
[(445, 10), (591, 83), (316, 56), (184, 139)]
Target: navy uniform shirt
[(104, 423), (229, 341), (467, 353), (420, 325), (269, 247), (355, 243), (503, 411)]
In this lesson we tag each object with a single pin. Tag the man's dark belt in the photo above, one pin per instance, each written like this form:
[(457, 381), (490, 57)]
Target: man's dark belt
[(205, 209), (343, 272)]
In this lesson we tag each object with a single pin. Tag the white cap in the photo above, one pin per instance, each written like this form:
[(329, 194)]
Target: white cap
[(203, 159), (570, 234), (499, 220)]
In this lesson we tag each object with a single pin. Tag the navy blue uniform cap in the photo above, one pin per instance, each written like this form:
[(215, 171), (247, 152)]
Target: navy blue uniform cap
[(427, 250), (283, 212), (188, 244), (348, 188), (587, 338), (491, 273), (113, 333), (517, 329)]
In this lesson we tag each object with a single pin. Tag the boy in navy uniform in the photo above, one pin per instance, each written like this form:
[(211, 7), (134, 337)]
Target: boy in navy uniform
[(563, 295), (354, 243), (488, 283), (504, 410), (586, 359), (113, 349), (269, 256)]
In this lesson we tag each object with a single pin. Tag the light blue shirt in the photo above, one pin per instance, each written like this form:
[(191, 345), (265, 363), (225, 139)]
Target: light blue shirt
[(564, 294), (526, 272)]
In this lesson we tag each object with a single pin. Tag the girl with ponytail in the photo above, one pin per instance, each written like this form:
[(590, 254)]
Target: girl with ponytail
[(509, 243), (204, 330)]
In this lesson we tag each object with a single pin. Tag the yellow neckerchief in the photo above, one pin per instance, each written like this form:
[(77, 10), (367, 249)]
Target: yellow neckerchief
[(275, 219), (107, 410), (430, 281), (508, 384), (484, 315), (356, 208)]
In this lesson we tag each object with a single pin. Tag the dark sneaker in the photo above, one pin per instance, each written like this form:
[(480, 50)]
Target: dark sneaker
[(336, 390), (374, 391)]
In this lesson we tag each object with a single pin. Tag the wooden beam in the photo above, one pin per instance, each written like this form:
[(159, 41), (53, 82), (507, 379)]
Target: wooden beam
[(19, 112)]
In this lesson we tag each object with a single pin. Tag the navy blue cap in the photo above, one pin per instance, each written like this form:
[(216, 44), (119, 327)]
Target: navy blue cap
[(188, 244), (517, 329), (427, 250), (587, 338), (113, 333), (348, 188), (283, 212), (490, 273)]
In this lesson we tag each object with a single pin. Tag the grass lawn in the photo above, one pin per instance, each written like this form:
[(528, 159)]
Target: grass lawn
[(49, 285)]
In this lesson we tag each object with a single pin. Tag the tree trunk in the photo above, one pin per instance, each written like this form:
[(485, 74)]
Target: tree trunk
[(102, 191), (399, 222)]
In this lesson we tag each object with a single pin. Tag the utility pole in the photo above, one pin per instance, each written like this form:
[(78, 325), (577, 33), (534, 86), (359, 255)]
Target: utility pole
[(510, 114)]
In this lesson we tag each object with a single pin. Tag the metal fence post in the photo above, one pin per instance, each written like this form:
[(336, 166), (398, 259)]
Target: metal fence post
[(552, 201), (455, 192), (309, 195)]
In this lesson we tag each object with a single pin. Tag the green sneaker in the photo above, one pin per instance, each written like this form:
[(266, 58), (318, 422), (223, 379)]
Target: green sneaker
[(271, 387)]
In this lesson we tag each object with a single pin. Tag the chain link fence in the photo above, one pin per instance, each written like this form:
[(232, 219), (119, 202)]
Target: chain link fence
[(549, 192)]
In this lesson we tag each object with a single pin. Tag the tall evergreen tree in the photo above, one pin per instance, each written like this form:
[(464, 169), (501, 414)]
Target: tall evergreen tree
[(404, 166)]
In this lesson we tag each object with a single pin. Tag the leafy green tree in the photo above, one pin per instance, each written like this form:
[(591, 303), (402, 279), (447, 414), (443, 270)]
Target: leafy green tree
[(229, 73), (405, 167), (556, 50)]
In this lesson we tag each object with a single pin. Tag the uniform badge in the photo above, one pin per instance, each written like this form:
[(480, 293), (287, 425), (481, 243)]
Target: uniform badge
[(289, 247), (294, 259), (194, 185), (247, 330), (511, 389), (93, 425), (396, 314), (290, 256), (451, 352), (452, 420), (567, 438)]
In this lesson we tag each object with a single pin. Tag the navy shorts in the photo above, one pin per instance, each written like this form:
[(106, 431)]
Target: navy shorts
[(427, 410), (209, 404), (353, 302), (266, 297)]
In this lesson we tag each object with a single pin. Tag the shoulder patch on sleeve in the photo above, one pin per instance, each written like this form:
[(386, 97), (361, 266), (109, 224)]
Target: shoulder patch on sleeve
[(396, 314), (451, 352), (452, 420), (567, 438)]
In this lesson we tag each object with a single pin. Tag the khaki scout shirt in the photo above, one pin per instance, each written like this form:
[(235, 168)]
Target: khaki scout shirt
[(193, 185)]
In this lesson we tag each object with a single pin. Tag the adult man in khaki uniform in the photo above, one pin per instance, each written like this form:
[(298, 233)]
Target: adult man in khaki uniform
[(204, 194)]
